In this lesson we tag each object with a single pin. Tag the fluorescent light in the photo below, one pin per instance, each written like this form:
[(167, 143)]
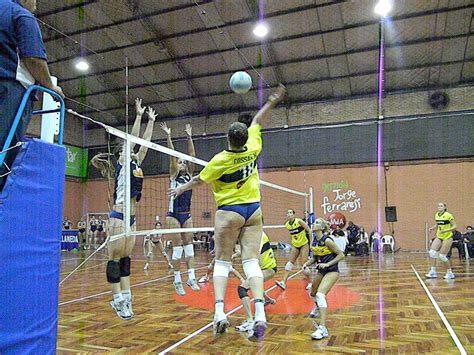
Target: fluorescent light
[(260, 30), (82, 65), (383, 7)]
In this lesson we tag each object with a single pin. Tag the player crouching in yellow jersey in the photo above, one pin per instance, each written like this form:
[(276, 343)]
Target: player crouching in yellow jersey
[(299, 231), (445, 225)]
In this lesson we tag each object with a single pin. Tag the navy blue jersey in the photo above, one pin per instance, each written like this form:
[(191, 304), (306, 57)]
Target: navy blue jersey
[(182, 203), (136, 182), (320, 251)]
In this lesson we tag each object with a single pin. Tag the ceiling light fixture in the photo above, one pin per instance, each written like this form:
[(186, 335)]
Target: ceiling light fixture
[(383, 7), (82, 65), (260, 30)]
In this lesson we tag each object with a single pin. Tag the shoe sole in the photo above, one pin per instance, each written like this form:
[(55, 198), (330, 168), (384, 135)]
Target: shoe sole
[(258, 331), (194, 289), (118, 315), (314, 338), (281, 286), (221, 326)]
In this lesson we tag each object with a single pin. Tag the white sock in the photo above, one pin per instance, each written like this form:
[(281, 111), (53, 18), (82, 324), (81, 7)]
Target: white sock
[(127, 295), (449, 271), (118, 297), (177, 276), (260, 311), (433, 268), (191, 274), (219, 307)]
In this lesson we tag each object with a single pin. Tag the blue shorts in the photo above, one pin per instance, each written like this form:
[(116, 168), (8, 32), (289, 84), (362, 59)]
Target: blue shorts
[(246, 210), (118, 215), (181, 217)]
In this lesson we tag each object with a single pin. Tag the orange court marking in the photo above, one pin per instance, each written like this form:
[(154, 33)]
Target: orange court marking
[(294, 300)]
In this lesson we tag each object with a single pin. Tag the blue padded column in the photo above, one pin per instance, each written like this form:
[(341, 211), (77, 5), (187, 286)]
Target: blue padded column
[(31, 208)]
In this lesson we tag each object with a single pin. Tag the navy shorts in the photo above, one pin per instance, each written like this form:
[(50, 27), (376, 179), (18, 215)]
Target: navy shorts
[(181, 217), (118, 215), (246, 210)]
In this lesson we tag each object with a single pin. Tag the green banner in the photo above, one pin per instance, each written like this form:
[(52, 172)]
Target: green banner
[(76, 161)]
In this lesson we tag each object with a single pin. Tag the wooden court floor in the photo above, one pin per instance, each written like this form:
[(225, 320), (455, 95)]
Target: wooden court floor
[(378, 306)]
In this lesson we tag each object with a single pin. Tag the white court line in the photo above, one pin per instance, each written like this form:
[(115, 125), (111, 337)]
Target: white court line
[(86, 268), (136, 285), (440, 313), (182, 341)]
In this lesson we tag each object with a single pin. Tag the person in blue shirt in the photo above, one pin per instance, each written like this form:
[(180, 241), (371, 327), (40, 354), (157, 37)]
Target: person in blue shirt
[(23, 62)]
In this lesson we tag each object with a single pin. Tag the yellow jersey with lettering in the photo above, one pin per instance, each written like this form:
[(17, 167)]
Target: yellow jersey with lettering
[(444, 221), (234, 175), (298, 233), (267, 258)]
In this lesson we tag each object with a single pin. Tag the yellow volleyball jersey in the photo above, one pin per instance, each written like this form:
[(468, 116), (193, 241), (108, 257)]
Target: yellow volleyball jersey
[(298, 233), (234, 175), (267, 258), (444, 221)]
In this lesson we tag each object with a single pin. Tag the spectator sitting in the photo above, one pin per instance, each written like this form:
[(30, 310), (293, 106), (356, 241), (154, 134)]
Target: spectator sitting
[(468, 237), (67, 224), (353, 230), (338, 232)]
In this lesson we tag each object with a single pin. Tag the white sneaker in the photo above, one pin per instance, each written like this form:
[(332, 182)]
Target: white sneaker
[(146, 266), (178, 286), (258, 331), (432, 274), (220, 324), (314, 312), (128, 304), (122, 310), (281, 284), (204, 279), (245, 326), (193, 284), (449, 276), (320, 332), (308, 287)]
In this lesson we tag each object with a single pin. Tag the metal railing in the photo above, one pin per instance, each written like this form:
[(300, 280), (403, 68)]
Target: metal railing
[(61, 109)]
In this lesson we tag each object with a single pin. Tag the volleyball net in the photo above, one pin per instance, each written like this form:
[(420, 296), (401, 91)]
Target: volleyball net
[(154, 203)]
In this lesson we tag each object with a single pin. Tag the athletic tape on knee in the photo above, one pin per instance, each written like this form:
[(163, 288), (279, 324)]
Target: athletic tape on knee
[(443, 258), (177, 253), (321, 300), (188, 251), (113, 271), (289, 266), (222, 268), (242, 291), (252, 268), (125, 266), (433, 254)]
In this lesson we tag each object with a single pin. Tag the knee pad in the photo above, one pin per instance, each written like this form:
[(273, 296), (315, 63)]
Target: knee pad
[(321, 300), (222, 268), (125, 266), (113, 271), (188, 251), (252, 268), (242, 291), (433, 254), (443, 258), (177, 253), (289, 266)]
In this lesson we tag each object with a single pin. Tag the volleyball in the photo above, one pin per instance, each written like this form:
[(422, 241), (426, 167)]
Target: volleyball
[(240, 82)]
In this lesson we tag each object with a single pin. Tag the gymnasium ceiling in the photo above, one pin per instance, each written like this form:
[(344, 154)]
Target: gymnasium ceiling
[(181, 53)]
